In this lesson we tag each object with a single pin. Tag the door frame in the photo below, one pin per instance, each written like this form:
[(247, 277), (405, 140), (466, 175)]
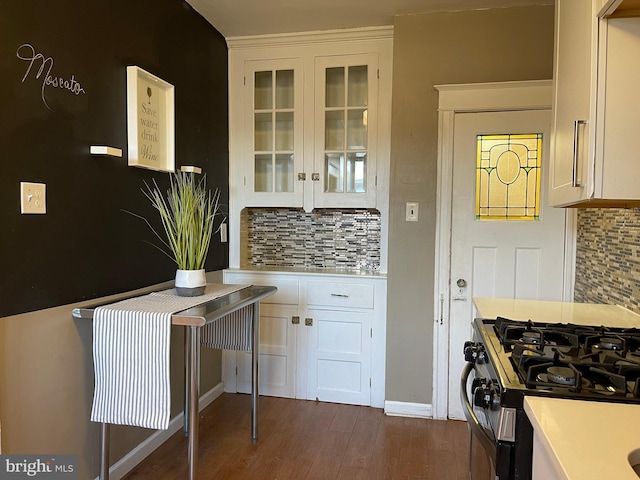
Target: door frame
[(475, 98)]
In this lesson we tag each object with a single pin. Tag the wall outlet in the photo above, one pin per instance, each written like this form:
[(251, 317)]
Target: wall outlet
[(33, 198), (412, 212)]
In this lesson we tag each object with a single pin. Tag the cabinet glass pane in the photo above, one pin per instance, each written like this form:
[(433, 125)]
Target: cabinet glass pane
[(284, 172), (284, 130), (284, 89), (357, 129), (274, 131), (334, 93), (358, 86), (356, 172), (263, 180), (263, 90), (346, 132), (263, 140), (334, 130), (333, 169)]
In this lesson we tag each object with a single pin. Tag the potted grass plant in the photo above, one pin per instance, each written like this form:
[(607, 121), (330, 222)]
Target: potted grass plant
[(187, 213)]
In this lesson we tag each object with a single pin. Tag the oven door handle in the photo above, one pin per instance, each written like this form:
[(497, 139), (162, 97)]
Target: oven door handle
[(474, 424)]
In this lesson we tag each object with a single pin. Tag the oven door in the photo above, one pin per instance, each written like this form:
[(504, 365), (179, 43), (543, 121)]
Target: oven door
[(483, 446)]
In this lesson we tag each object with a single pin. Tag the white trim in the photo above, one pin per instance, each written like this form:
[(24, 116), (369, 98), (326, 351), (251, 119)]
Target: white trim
[(609, 8), (407, 409), (442, 260), (571, 238), (478, 97), (310, 38), (482, 97), (144, 449)]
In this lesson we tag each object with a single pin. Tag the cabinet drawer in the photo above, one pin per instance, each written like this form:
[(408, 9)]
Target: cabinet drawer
[(356, 295), (288, 290)]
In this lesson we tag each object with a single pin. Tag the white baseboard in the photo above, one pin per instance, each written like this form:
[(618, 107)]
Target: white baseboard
[(143, 450), (407, 409)]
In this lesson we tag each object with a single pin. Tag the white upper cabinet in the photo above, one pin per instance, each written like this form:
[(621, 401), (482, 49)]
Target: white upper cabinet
[(273, 113), (596, 65), (310, 119), (346, 100), (575, 76)]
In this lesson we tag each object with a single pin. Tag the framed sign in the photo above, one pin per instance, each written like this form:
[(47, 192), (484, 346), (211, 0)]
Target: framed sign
[(150, 121)]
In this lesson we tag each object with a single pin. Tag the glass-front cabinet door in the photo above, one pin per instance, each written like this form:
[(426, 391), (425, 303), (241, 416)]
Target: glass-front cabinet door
[(344, 170), (274, 118)]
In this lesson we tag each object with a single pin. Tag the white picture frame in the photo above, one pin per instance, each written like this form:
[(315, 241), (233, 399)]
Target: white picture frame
[(150, 121)]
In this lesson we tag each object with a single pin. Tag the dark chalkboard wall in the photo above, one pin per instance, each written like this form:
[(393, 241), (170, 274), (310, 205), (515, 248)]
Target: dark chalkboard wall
[(86, 247)]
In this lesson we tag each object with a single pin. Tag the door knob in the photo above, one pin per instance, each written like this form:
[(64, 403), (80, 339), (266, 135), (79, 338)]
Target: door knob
[(461, 283)]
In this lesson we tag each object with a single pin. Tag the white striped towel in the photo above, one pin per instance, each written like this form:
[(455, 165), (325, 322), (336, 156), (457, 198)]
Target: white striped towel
[(231, 332), (131, 341)]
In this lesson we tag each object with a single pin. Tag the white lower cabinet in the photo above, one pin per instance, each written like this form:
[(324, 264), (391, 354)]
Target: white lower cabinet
[(277, 354), (322, 337), (339, 357), (542, 468)]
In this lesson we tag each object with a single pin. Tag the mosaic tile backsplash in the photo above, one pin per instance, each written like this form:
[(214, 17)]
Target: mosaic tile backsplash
[(608, 257), (325, 238)]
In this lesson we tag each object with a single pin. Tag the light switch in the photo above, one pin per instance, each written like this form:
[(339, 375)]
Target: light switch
[(223, 233), (33, 198), (412, 212)]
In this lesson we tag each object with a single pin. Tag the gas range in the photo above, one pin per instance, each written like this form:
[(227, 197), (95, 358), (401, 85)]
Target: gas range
[(510, 359), (565, 360)]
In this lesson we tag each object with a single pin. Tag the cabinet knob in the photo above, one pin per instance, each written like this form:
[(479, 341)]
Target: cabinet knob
[(315, 177), (295, 320), (308, 322), (302, 176)]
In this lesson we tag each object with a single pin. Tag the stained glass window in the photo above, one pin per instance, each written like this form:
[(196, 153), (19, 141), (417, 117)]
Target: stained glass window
[(508, 177)]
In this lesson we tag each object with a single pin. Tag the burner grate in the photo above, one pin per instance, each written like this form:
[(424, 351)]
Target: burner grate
[(573, 360), (579, 379)]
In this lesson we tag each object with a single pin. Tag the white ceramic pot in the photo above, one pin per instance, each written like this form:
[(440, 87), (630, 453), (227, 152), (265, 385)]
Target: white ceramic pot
[(190, 283)]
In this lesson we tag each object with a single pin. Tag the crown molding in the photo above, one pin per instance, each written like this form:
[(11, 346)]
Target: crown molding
[(310, 38), (530, 94)]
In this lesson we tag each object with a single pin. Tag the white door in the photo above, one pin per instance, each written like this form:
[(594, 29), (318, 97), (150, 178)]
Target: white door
[(499, 258), (277, 362), (339, 357)]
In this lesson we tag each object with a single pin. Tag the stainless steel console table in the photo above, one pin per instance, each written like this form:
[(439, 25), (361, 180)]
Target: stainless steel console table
[(193, 319)]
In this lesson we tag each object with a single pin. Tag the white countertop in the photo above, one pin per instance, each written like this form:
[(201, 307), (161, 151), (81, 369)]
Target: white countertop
[(586, 440), (557, 312), (310, 271)]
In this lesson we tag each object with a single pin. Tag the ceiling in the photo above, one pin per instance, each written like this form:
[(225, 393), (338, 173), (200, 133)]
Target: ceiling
[(233, 18)]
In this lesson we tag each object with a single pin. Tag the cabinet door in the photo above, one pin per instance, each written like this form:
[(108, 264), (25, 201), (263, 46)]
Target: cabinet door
[(346, 115), (277, 361), (575, 62), (616, 163), (273, 121), (339, 356)]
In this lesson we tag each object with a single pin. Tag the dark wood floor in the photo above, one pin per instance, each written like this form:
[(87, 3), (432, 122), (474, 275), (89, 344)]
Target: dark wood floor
[(304, 440)]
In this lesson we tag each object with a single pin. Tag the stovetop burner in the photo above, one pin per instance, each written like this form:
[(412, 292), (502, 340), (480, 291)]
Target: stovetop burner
[(513, 333), (572, 360), (610, 343), (561, 375), (531, 337)]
